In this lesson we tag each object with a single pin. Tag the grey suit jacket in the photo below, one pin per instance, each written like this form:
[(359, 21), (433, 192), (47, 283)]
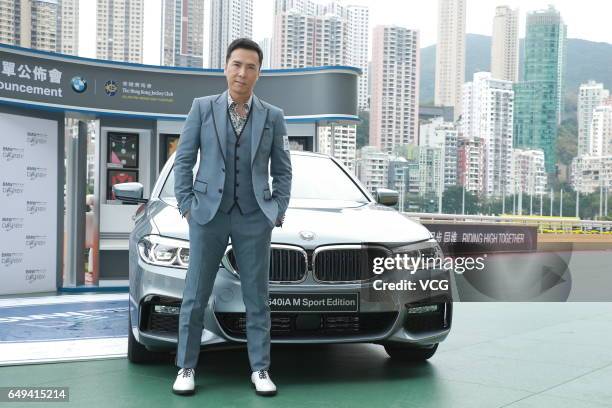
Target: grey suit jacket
[(205, 131)]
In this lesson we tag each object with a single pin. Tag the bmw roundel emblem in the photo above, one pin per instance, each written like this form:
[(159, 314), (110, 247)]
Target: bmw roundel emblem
[(79, 84), (110, 87), (307, 235)]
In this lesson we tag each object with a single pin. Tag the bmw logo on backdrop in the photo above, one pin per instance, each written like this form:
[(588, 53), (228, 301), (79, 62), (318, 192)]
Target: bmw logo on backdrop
[(79, 84)]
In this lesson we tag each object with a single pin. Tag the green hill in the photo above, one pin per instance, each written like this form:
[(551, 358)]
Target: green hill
[(585, 60)]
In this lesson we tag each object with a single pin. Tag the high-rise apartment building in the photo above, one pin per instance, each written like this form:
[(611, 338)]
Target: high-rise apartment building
[(68, 27), (402, 176), (345, 141), (394, 111), (266, 47), (528, 175), (182, 33), (48, 25), (10, 32), (358, 42), (505, 44), (488, 109), (601, 130), (372, 168), (591, 170), (591, 174), (590, 96), (44, 22), (431, 168), (444, 135), (308, 34), (470, 164), (119, 30), (229, 19), (450, 54)]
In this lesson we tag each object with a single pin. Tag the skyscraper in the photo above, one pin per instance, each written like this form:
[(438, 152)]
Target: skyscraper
[(443, 135), (229, 19), (601, 130), (450, 54), (44, 23), (372, 168), (68, 35), (394, 112), (182, 33), (48, 25), (505, 44), (488, 109), (119, 30), (431, 168), (590, 96), (528, 175), (591, 174), (310, 34), (591, 170), (9, 29), (470, 164), (266, 48), (344, 140), (358, 43), (539, 97)]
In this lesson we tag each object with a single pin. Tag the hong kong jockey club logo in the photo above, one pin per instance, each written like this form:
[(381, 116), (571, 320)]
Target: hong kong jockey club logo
[(79, 84), (110, 87)]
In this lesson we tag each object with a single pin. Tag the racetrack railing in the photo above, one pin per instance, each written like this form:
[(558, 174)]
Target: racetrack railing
[(551, 225)]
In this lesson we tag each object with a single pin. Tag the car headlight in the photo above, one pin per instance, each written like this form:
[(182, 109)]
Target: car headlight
[(164, 251), (428, 252), (229, 261), (433, 250)]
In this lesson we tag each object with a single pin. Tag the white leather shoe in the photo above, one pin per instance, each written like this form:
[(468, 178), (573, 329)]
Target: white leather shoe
[(184, 384), (262, 383)]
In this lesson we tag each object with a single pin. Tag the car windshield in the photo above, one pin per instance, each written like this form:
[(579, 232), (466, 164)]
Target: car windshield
[(314, 177)]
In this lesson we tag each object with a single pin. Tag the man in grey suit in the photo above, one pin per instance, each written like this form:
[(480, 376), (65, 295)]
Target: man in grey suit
[(238, 136)]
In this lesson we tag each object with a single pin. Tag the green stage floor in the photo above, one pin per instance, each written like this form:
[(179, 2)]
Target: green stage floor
[(498, 355)]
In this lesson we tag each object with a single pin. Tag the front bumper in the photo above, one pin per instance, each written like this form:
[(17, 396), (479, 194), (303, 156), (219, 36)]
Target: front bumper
[(379, 319)]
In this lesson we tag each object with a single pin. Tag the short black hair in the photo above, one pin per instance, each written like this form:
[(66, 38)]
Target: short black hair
[(247, 44)]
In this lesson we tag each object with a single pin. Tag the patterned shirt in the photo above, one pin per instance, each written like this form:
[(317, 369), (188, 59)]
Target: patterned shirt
[(238, 121)]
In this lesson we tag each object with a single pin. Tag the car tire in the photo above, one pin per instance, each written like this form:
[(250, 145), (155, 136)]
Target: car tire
[(408, 353), (137, 353)]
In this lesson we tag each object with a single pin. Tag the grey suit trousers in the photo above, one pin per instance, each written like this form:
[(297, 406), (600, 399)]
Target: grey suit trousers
[(250, 235)]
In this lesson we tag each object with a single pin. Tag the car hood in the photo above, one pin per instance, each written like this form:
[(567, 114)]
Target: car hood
[(330, 222)]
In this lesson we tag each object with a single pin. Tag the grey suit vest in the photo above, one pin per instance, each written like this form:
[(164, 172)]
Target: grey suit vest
[(238, 188)]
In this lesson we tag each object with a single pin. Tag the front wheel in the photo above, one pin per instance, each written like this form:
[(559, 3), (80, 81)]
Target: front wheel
[(409, 353)]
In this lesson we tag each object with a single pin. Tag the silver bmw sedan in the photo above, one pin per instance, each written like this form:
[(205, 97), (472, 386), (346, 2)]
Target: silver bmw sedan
[(324, 287)]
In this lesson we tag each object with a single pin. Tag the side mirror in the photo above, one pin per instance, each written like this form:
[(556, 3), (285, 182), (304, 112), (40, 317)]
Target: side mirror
[(387, 197), (129, 192)]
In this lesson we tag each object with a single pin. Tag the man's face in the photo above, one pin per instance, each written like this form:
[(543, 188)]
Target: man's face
[(242, 72)]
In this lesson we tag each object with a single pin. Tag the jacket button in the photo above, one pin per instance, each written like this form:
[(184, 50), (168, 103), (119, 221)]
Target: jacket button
[(220, 190), (237, 171), (237, 185), (237, 144), (237, 158), (223, 170)]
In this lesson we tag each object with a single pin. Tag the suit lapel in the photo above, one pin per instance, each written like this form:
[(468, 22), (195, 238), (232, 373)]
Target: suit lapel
[(220, 121), (260, 113)]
